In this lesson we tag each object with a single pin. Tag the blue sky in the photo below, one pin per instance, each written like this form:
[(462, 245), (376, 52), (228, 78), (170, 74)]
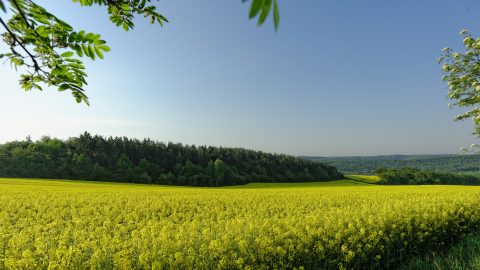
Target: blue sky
[(338, 78)]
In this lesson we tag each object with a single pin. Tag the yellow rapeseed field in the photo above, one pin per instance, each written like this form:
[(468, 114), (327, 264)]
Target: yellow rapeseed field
[(81, 225)]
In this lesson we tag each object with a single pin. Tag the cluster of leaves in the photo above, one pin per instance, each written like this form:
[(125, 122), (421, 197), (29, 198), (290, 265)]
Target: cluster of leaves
[(75, 225), (123, 12), (410, 176), (50, 49), (262, 8), (128, 160), (462, 73), (45, 45)]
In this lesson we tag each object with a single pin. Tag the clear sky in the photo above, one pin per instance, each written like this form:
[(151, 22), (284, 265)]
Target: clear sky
[(338, 78)]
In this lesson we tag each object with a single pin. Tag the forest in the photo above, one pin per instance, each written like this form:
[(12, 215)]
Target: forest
[(411, 176), (369, 164), (122, 159)]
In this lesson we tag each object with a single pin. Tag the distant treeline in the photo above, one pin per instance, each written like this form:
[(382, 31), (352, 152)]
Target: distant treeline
[(368, 165), (122, 159), (411, 176)]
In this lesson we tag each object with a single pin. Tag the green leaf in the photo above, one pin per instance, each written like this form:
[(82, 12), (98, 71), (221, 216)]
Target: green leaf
[(63, 87), (255, 8), (67, 54), (80, 72), (99, 42), (37, 86), (42, 20), (75, 65), (125, 7), (86, 50), (73, 60), (43, 31), (104, 48), (72, 37), (64, 25), (265, 11), (91, 51), (16, 61), (27, 86), (98, 52), (2, 6), (79, 97), (80, 36), (276, 15), (77, 49), (90, 37), (37, 79)]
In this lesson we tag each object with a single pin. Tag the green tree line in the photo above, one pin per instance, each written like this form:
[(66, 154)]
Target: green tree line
[(411, 176), (122, 159), (438, 163)]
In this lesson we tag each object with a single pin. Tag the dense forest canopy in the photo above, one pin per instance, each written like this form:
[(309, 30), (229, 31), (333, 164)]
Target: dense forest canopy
[(123, 159), (369, 164), (410, 176)]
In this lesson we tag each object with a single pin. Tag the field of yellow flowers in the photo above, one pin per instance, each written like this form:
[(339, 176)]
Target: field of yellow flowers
[(343, 224)]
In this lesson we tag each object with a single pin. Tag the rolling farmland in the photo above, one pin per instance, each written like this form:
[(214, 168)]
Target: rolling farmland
[(59, 224)]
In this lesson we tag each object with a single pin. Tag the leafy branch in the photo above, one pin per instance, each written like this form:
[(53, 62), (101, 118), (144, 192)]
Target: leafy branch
[(462, 73), (49, 50), (46, 43)]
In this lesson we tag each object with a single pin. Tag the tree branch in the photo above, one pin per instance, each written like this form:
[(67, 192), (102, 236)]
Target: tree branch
[(35, 63), (22, 14)]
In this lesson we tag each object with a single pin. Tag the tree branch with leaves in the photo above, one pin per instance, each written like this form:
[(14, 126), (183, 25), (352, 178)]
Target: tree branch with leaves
[(49, 50), (462, 73)]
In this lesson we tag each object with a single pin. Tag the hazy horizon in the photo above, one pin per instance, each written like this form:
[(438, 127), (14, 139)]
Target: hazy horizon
[(337, 79)]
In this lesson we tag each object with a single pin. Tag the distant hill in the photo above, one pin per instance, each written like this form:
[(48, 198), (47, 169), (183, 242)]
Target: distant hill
[(368, 164)]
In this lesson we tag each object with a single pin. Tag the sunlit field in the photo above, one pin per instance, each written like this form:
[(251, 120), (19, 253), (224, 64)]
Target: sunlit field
[(371, 179), (339, 224)]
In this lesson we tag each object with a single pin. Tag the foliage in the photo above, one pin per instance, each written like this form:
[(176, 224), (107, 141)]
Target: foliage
[(410, 176), (49, 49), (368, 165), (262, 9), (462, 255), (129, 160), (79, 225), (462, 73)]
